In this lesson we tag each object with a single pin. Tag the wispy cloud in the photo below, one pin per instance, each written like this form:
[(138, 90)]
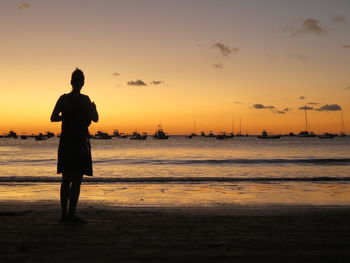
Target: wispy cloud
[(115, 74), (284, 111), (157, 82), (346, 46), (218, 66), (23, 6), (339, 19), (238, 102), (308, 26), (329, 107), (305, 108), (225, 50), (313, 103), (136, 83), (347, 88), (314, 26), (273, 109), (302, 97), (260, 106)]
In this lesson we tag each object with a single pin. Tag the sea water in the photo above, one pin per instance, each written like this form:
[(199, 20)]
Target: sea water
[(197, 171)]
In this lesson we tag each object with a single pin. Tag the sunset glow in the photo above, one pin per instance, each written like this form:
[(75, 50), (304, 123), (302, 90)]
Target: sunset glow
[(178, 62)]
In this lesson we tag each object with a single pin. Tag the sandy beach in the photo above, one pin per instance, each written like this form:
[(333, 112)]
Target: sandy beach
[(30, 232)]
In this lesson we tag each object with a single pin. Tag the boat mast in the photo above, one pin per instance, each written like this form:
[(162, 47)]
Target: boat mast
[(194, 126), (342, 123), (306, 124), (240, 126), (233, 126)]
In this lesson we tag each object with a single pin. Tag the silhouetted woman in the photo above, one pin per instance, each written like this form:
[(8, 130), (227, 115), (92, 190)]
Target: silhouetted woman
[(76, 112)]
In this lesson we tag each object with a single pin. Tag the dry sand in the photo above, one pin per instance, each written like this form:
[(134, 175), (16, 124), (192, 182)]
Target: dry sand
[(30, 232)]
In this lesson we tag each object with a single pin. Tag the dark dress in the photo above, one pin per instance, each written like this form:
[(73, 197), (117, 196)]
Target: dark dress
[(74, 151)]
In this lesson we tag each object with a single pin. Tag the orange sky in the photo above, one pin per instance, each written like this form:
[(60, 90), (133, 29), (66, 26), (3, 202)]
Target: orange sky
[(210, 61)]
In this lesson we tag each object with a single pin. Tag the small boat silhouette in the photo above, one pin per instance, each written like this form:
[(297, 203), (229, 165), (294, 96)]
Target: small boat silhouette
[(265, 135), (160, 134)]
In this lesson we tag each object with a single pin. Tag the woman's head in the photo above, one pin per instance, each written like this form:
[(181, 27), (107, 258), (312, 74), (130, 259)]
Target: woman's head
[(77, 79)]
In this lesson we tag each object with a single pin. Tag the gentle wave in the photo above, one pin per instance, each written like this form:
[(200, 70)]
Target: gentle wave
[(280, 161), (238, 161), (25, 179)]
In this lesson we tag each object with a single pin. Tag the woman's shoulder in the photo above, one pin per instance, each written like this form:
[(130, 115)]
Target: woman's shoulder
[(85, 97)]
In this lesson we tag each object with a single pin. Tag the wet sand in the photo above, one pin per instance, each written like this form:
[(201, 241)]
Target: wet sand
[(30, 232)]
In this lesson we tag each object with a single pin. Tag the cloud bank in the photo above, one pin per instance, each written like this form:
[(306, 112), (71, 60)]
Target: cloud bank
[(327, 107), (330, 107)]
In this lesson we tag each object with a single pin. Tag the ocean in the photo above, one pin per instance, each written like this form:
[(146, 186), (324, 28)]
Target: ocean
[(182, 171)]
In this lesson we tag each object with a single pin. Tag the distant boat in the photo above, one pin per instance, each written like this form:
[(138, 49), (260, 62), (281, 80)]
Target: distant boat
[(224, 135), (327, 136), (138, 136), (306, 134), (12, 134), (239, 134), (40, 137), (49, 135), (210, 134), (264, 135), (160, 134), (191, 135), (342, 134), (116, 134), (102, 136)]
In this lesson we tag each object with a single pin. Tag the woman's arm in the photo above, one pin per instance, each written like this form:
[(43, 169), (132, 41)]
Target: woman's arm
[(93, 112), (55, 116)]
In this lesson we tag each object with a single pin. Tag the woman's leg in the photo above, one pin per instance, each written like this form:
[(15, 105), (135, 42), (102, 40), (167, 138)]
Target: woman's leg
[(64, 193), (74, 193)]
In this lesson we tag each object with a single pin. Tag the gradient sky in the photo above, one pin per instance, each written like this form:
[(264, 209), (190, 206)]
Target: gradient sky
[(170, 62)]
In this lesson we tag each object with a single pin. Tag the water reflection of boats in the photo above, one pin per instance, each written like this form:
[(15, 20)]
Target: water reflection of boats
[(160, 134), (265, 135), (137, 136), (327, 136)]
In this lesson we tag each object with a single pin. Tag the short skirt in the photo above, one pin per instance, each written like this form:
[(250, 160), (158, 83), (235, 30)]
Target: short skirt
[(74, 154)]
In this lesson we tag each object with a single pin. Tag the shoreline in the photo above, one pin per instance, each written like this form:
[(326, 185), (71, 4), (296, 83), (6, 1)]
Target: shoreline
[(30, 232)]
